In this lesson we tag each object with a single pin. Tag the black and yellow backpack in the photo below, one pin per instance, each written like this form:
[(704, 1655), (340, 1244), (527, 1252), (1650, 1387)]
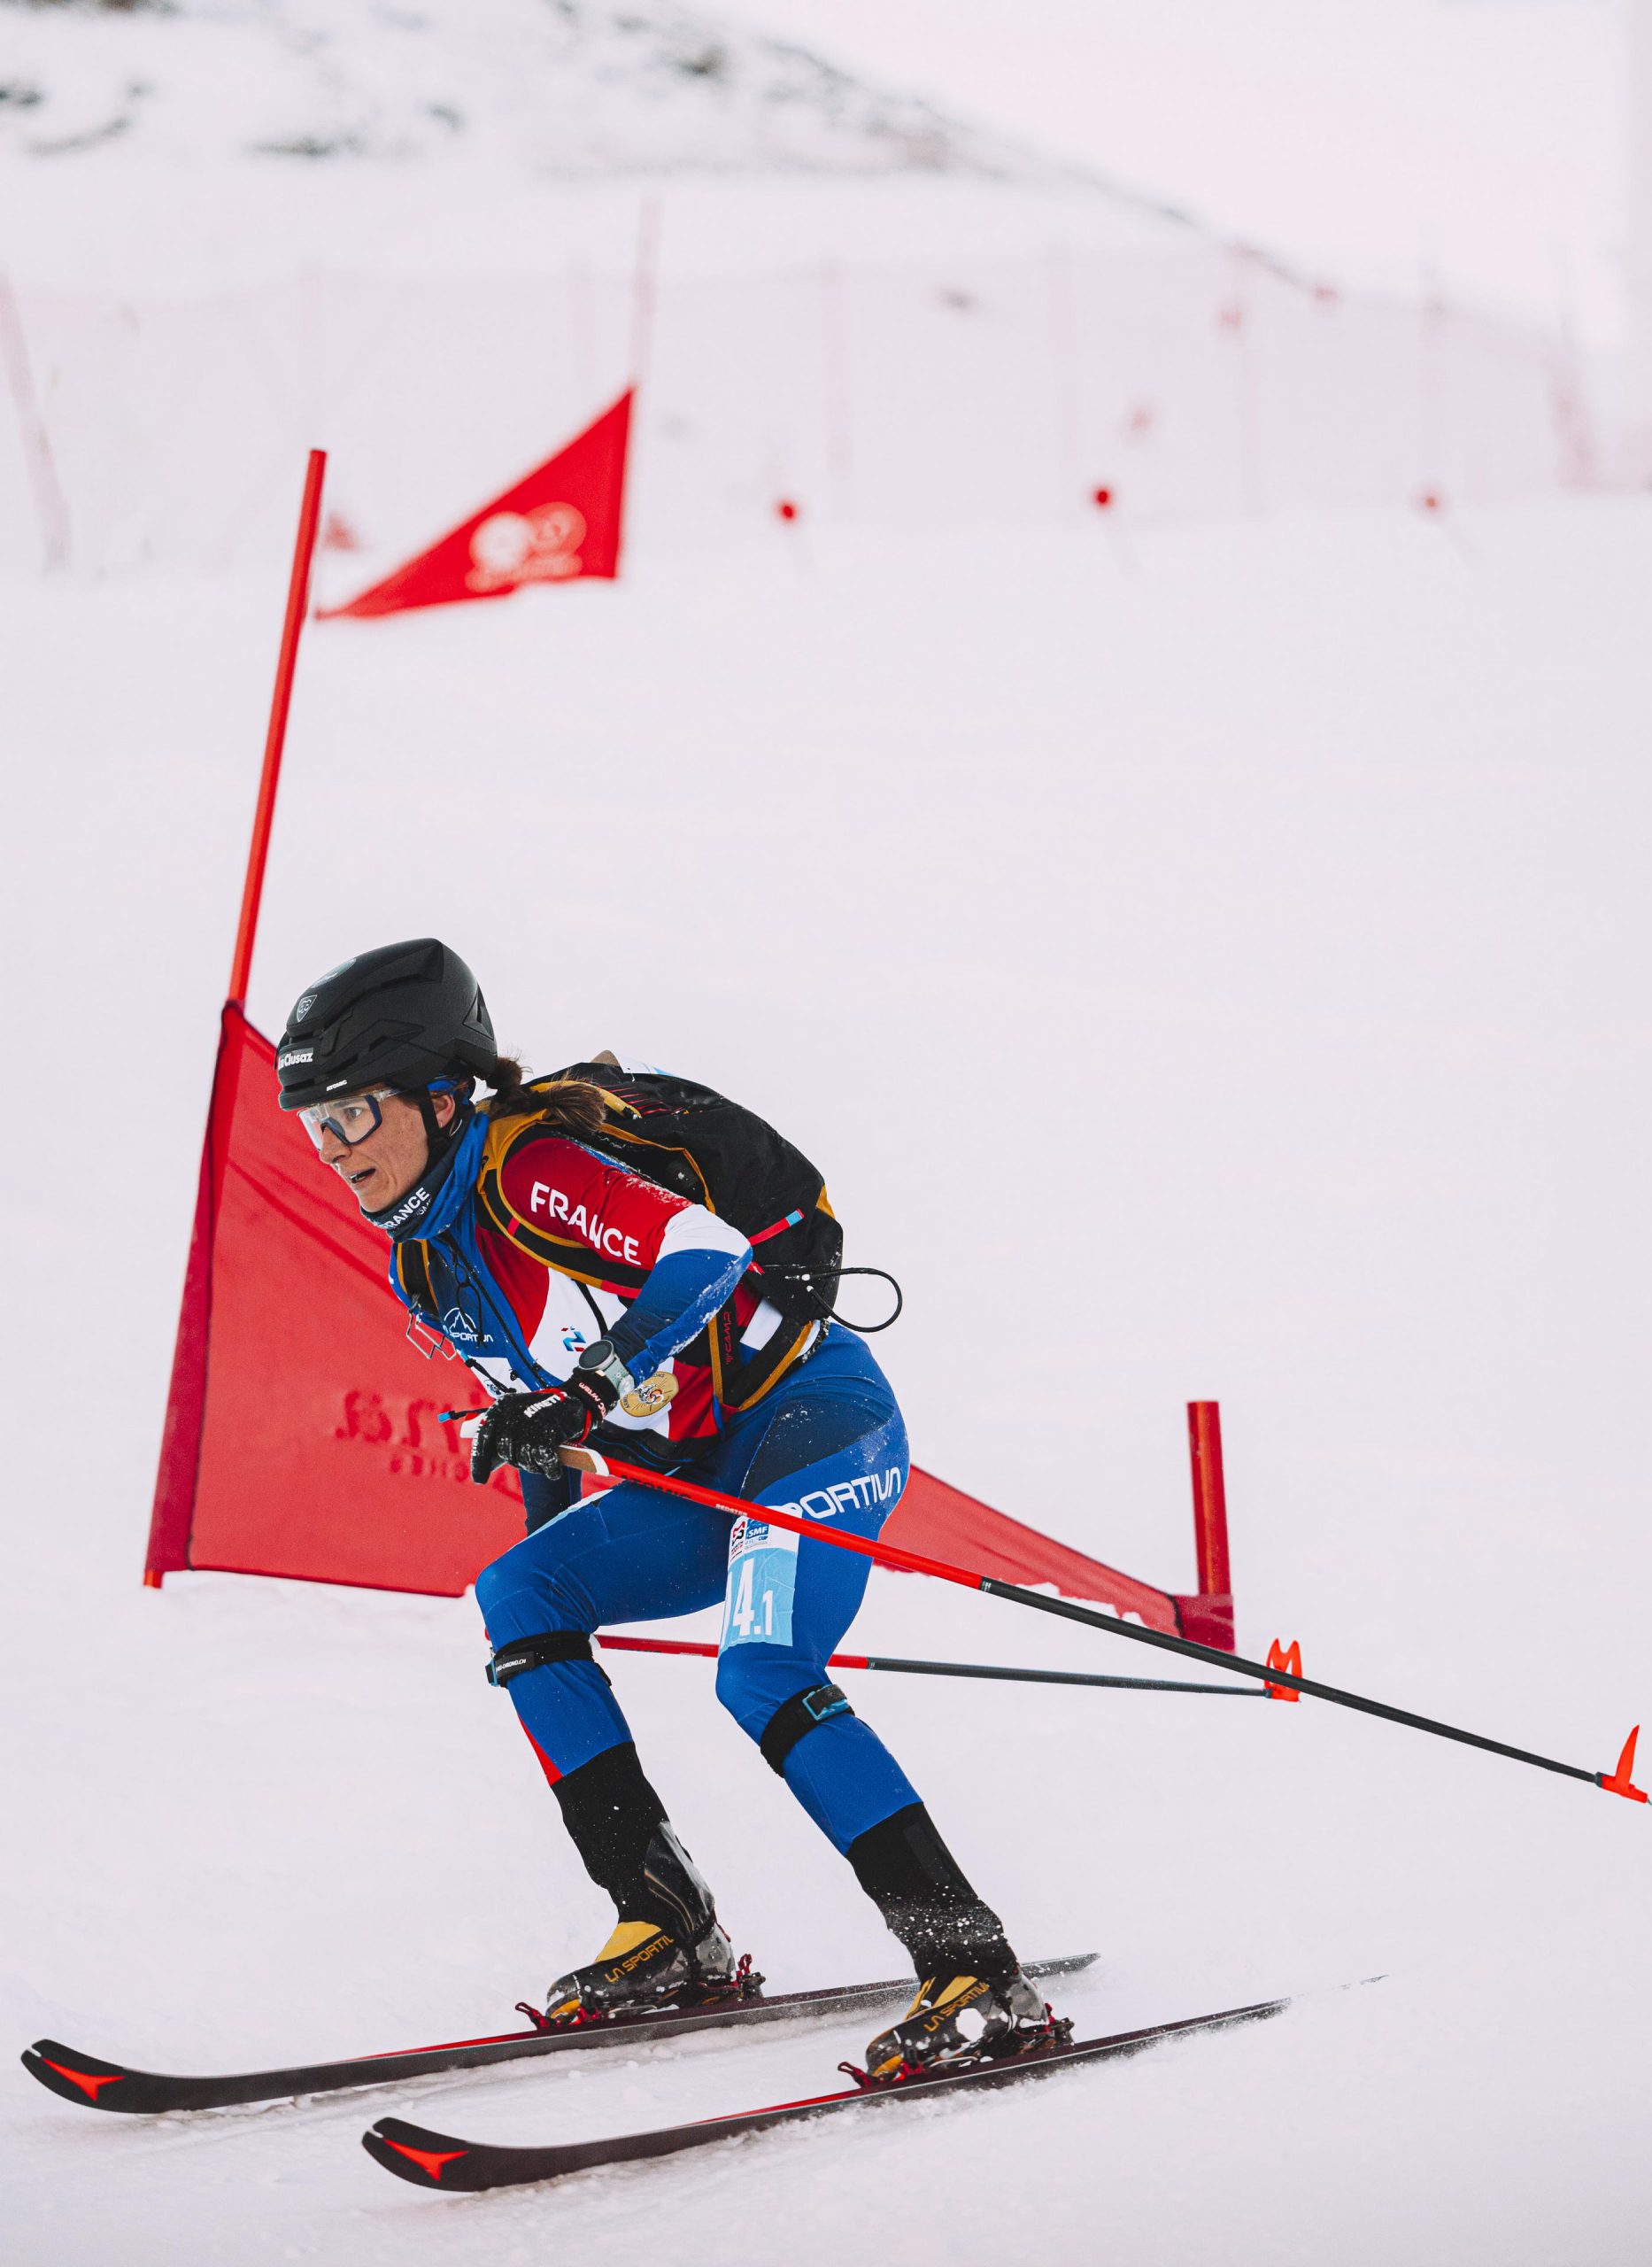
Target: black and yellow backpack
[(716, 1153)]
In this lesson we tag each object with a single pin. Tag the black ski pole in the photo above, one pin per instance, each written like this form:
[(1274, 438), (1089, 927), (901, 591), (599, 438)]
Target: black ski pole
[(949, 1668), (912, 1562)]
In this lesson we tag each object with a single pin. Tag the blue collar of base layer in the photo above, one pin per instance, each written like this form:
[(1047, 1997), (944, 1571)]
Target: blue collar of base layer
[(434, 1200)]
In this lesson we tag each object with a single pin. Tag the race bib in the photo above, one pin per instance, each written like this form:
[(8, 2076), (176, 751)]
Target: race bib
[(762, 1582)]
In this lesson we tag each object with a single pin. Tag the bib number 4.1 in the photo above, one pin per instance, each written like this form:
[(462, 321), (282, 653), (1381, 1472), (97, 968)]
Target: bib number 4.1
[(762, 1584)]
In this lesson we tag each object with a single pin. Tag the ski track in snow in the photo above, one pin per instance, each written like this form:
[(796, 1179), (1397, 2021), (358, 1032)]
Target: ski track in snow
[(1223, 963)]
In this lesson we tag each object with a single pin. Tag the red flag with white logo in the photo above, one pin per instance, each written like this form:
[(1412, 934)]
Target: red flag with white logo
[(560, 523)]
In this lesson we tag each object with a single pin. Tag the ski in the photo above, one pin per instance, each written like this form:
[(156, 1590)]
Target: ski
[(115, 2085), (441, 2161)]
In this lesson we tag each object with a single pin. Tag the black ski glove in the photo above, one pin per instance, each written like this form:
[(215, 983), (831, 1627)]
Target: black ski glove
[(527, 1429)]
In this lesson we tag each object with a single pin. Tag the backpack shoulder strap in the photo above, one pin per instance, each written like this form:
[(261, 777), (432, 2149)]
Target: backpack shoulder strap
[(505, 1135), (645, 1113), (410, 1276), (563, 1253)]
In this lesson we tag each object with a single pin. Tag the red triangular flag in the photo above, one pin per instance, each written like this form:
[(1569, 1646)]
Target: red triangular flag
[(304, 1429), (558, 524)]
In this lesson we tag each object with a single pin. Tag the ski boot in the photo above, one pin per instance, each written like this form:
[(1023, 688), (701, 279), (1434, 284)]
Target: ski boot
[(960, 2021), (647, 1964), (977, 2006), (643, 1967)]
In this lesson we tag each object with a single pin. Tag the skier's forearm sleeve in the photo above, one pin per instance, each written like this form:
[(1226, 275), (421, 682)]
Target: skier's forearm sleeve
[(682, 1292), (694, 1257)]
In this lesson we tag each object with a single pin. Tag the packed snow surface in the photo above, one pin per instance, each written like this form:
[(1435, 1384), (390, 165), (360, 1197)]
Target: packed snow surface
[(1208, 963)]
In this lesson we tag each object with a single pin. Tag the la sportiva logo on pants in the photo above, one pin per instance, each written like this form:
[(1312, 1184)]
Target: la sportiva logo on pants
[(864, 1495)]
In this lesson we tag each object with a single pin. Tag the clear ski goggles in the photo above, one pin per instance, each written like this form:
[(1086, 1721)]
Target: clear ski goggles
[(349, 1120), (352, 1117)]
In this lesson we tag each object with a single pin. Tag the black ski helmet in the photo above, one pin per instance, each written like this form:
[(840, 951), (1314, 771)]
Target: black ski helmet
[(400, 1017)]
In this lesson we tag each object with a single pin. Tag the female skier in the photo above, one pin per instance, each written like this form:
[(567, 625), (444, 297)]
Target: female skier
[(595, 1304)]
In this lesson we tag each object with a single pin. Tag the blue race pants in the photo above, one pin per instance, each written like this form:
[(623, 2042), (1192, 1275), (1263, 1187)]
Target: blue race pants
[(828, 1443)]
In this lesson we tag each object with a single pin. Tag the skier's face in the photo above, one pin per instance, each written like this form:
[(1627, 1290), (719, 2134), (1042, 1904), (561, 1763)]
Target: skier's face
[(383, 1167)]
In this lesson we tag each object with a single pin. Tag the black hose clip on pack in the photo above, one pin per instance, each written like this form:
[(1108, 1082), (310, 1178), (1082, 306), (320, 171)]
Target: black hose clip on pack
[(806, 1278)]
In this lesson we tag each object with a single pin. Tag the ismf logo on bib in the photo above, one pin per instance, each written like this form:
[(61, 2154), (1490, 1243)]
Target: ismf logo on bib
[(762, 1584)]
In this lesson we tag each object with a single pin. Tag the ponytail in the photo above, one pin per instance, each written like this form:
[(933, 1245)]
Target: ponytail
[(567, 1105)]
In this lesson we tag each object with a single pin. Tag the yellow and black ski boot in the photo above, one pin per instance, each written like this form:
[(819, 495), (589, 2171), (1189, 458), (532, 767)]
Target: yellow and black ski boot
[(958, 2021), (643, 1967), (649, 1963)]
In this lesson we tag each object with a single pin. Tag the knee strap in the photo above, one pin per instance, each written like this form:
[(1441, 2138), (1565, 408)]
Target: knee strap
[(523, 1653), (796, 1716)]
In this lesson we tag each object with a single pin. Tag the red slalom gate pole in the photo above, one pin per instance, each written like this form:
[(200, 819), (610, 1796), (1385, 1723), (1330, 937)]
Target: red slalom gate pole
[(948, 1668), (275, 738), (174, 1511), (1210, 1498), (1214, 1603), (912, 1562)]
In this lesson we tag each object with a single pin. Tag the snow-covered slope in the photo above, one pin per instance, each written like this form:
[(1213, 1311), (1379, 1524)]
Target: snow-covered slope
[(547, 87), (411, 233), (1216, 956), (1259, 914)]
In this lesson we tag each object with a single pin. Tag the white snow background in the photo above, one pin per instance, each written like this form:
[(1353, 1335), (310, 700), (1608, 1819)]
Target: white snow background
[(1207, 962)]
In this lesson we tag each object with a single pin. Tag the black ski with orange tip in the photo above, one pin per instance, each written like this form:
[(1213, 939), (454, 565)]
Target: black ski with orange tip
[(441, 2161), (115, 2085)]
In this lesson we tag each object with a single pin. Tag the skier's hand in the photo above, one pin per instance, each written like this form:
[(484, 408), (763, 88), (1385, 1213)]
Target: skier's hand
[(527, 1429)]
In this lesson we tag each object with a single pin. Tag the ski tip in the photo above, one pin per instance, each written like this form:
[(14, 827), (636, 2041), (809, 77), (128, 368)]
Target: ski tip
[(424, 2158), (65, 2071)]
